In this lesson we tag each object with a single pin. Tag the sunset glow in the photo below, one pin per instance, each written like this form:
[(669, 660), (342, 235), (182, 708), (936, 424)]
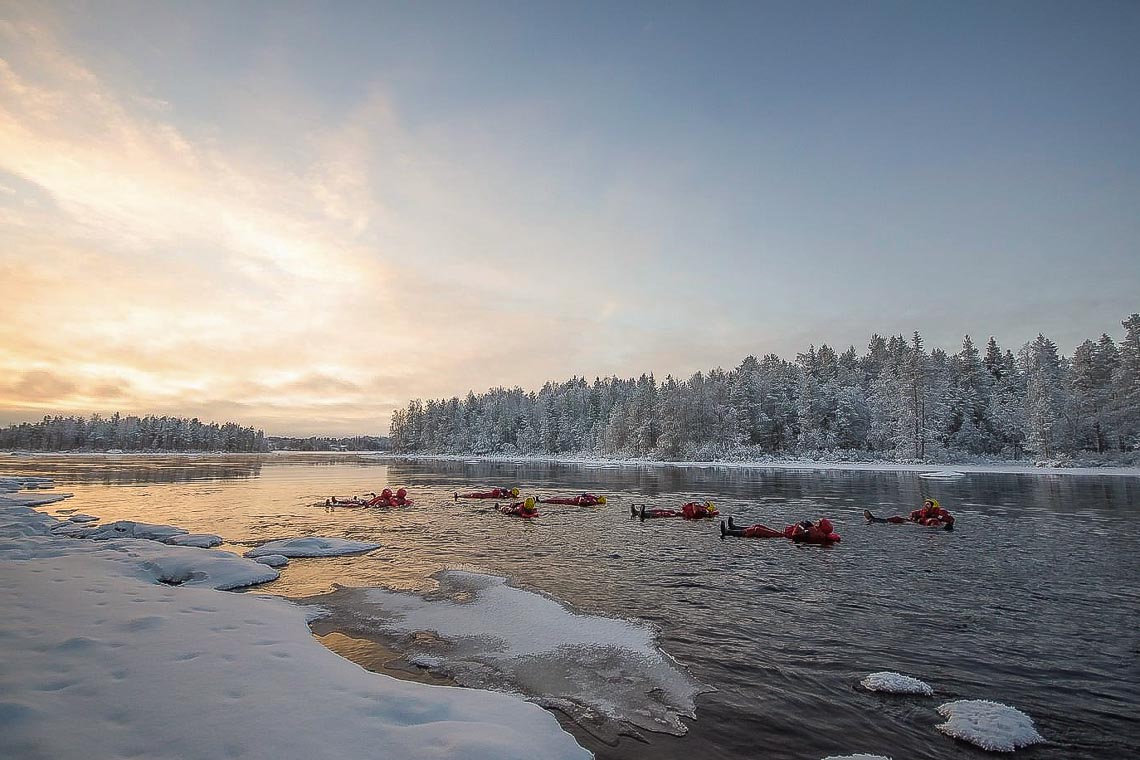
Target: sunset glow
[(306, 240)]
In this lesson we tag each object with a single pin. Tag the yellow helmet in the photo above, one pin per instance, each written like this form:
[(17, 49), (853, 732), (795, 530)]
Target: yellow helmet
[(710, 506), (529, 503), (934, 503), (601, 499), (514, 492)]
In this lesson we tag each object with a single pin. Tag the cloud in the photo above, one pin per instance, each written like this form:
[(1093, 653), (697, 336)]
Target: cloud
[(153, 266), (37, 385)]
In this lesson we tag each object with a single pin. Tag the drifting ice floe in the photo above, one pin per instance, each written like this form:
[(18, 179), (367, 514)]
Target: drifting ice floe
[(200, 540), (896, 683), (856, 757), (600, 671), (989, 725), (311, 546), (942, 475), (273, 560)]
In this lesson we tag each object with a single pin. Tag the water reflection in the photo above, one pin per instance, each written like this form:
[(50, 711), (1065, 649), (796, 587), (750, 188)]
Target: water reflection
[(1032, 600)]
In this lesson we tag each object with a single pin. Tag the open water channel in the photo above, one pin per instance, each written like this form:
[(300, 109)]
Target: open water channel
[(1033, 600)]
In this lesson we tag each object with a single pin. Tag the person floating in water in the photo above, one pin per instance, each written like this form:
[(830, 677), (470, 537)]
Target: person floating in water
[(691, 511), (353, 501), (389, 499), (494, 493), (583, 500), (804, 532), (527, 508), (932, 514)]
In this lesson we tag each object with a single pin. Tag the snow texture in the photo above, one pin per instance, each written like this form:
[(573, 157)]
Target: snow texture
[(312, 546), (127, 529), (774, 463), (273, 560), (201, 540), (103, 660), (989, 725), (942, 475), (896, 683), (598, 670)]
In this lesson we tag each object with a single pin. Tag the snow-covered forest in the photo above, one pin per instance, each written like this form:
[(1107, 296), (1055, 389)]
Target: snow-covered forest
[(324, 443), (130, 433), (895, 401)]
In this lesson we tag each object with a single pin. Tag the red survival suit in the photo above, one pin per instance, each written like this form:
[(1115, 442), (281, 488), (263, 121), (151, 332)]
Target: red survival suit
[(934, 516), (805, 532), (389, 499), (690, 511), (494, 493), (525, 509), (584, 500)]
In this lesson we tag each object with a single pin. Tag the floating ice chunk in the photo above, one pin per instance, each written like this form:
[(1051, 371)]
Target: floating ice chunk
[(273, 560), (601, 671), (856, 757), (27, 500), (896, 683), (132, 529), (942, 475), (81, 518), (989, 725), (16, 482), (200, 540), (187, 566), (311, 546)]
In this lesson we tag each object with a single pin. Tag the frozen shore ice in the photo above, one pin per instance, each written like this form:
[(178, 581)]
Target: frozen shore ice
[(104, 658)]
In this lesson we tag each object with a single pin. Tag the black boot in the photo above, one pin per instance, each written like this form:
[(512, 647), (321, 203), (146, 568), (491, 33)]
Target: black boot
[(722, 530)]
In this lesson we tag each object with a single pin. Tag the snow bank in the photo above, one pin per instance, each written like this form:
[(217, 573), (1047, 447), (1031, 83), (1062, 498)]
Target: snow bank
[(768, 464), (311, 546), (896, 683), (491, 635), (124, 529), (200, 540), (989, 725), (103, 660)]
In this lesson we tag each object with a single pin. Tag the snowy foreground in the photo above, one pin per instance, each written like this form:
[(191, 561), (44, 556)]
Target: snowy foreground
[(117, 642), (103, 657)]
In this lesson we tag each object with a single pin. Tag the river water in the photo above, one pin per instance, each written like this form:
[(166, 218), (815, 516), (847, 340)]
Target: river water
[(1033, 600)]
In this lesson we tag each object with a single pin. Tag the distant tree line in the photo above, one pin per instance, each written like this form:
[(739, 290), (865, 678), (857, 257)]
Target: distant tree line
[(317, 443), (895, 401), (130, 433)]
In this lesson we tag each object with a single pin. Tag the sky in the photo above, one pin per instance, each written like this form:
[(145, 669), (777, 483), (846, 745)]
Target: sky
[(299, 216)]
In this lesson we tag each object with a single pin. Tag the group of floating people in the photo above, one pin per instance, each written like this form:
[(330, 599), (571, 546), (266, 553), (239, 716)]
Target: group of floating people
[(528, 507), (387, 498), (821, 531)]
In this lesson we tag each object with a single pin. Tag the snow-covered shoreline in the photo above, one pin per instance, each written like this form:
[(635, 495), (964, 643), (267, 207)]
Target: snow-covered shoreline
[(995, 468), (951, 470), (105, 658)]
